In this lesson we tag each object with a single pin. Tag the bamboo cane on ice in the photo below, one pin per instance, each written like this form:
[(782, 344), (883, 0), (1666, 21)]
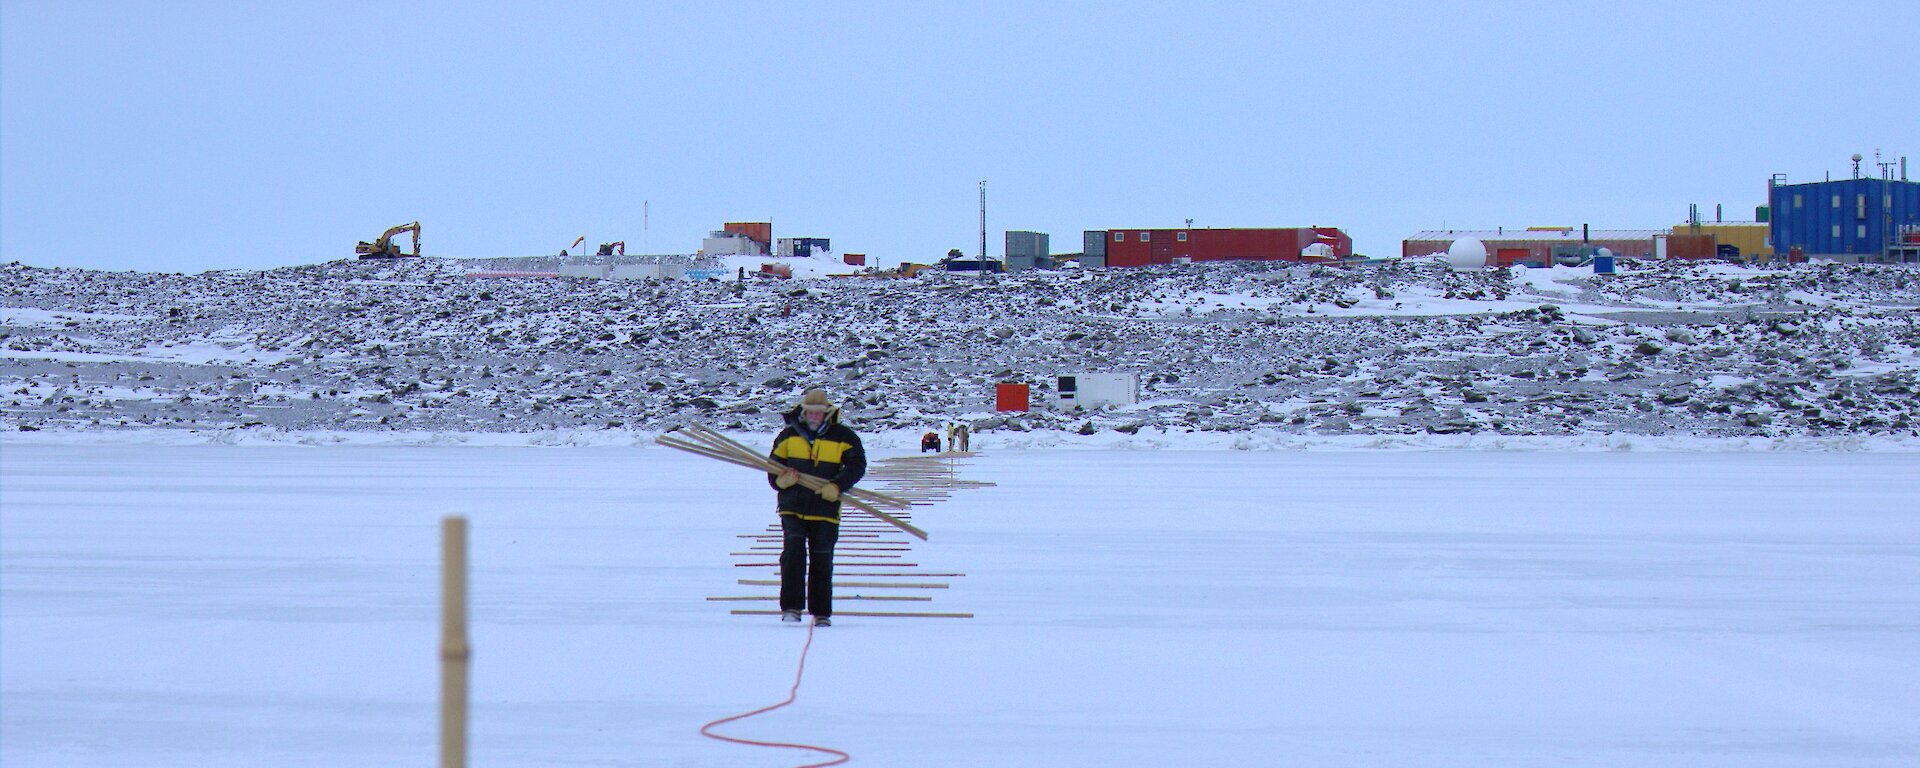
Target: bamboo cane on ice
[(734, 455)]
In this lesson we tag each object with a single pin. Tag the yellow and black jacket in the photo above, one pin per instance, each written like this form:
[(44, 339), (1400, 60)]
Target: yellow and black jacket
[(835, 454)]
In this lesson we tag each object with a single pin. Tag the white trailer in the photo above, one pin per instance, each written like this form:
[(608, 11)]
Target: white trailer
[(1097, 390)]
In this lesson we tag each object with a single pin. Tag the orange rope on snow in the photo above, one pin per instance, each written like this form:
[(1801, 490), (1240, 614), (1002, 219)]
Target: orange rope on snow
[(792, 693)]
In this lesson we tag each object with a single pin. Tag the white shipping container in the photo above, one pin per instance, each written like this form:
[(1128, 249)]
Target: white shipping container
[(1097, 390), (730, 244), (594, 271)]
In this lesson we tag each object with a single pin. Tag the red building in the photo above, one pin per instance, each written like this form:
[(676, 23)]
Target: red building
[(1535, 246), (1144, 247)]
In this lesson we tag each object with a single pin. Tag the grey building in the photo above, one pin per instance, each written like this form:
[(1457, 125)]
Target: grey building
[(1027, 250), (1094, 254)]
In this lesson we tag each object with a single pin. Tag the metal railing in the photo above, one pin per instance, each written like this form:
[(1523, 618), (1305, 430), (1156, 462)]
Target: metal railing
[(553, 263)]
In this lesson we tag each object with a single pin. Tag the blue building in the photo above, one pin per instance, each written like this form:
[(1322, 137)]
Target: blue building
[(1858, 221)]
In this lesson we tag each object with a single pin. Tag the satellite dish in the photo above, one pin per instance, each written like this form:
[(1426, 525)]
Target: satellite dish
[(1467, 254), (1856, 157)]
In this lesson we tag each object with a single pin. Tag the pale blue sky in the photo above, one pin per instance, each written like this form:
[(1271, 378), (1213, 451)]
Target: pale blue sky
[(185, 136)]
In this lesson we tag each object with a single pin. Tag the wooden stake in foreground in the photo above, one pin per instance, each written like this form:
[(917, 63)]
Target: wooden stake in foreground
[(455, 653), (713, 445)]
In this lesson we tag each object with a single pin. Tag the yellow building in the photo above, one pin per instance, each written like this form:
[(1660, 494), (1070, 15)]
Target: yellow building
[(1749, 237)]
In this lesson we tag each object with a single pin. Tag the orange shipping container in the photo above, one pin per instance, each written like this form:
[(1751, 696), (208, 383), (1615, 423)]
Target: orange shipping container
[(758, 230), (1509, 256), (1692, 246)]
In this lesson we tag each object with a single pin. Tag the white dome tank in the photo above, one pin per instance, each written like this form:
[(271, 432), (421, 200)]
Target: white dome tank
[(1467, 254)]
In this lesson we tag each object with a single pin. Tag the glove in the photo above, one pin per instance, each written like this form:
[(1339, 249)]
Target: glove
[(830, 492), (786, 479)]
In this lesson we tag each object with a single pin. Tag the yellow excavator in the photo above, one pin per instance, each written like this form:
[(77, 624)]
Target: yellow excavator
[(385, 248)]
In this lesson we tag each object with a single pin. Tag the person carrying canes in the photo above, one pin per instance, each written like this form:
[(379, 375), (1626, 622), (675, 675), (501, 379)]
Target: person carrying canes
[(814, 442)]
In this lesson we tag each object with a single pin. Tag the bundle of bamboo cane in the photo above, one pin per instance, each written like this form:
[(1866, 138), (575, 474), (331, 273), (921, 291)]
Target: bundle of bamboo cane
[(711, 444)]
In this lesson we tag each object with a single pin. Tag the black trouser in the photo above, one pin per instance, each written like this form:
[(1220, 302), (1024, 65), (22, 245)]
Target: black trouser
[(803, 582)]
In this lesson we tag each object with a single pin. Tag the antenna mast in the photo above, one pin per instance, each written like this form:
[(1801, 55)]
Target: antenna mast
[(983, 229)]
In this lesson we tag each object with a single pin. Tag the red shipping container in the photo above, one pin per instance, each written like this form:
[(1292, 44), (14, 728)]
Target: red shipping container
[(855, 259), (1010, 397)]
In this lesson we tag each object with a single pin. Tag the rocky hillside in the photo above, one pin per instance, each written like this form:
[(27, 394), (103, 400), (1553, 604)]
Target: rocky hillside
[(1400, 348)]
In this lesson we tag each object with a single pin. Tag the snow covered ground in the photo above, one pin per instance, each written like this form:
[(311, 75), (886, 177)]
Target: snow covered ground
[(246, 605)]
